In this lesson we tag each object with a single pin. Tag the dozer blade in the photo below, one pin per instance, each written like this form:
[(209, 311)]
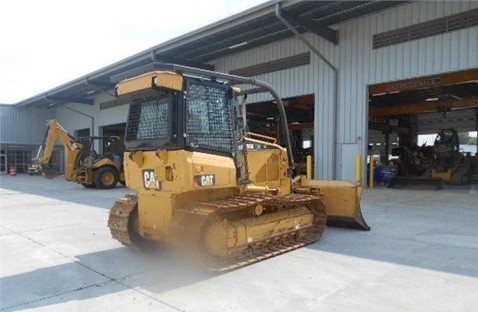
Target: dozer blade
[(342, 201), (416, 183), (49, 172)]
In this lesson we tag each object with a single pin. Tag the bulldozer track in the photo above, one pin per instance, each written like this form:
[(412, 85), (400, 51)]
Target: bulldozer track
[(282, 243), (188, 224), (119, 221)]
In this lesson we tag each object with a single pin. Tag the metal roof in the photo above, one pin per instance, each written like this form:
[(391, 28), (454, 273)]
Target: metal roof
[(248, 29)]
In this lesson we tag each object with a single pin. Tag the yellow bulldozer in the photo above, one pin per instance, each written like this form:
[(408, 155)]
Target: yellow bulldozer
[(83, 164), (205, 185)]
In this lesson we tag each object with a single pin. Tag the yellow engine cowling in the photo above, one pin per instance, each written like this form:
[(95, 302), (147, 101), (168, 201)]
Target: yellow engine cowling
[(170, 179)]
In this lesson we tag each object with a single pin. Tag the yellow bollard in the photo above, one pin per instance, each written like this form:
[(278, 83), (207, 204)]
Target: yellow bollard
[(358, 169), (309, 167), (372, 170)]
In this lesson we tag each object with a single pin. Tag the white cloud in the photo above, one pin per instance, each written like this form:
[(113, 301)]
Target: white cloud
[(50, 42)]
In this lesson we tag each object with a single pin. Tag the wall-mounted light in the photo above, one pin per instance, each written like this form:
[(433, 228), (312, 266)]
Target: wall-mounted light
[(432, 99)]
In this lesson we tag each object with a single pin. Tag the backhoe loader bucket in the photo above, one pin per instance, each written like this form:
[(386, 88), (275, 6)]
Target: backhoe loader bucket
[(341, 198), (49, 173)]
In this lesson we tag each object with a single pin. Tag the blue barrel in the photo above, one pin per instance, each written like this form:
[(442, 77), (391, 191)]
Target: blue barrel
[(384, 173)]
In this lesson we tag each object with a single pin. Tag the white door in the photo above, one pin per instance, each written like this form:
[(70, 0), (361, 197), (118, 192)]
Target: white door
[(348, 153)]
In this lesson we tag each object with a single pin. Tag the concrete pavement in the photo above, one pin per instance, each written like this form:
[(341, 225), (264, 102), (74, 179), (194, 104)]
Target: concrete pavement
[(57, 255)]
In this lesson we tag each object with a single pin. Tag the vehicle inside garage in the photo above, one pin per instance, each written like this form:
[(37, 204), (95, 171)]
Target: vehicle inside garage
[(440, 109)]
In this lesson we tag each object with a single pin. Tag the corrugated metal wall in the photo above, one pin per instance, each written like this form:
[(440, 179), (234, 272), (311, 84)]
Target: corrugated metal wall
[(23, 126), (359, 66), (363, 66), (290, 82), (109, 116), (73, 121)]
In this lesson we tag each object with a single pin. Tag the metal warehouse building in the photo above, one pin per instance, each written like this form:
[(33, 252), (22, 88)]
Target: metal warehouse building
[(21, 131), (351, 73)]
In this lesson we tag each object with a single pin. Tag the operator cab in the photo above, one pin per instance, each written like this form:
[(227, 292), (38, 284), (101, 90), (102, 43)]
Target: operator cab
[(198, 118), (181, 109)]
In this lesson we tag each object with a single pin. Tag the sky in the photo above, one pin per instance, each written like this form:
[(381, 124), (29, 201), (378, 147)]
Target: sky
[(46, 43)]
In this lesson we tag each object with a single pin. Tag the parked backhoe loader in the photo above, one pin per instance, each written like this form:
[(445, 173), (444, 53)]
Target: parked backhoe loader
[(209, 188), (83, 164)]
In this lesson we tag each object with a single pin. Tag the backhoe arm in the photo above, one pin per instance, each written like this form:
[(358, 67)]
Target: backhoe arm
[(54, 132)]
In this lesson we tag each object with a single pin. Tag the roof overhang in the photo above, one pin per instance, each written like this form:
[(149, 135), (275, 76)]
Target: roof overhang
[(246, 30)]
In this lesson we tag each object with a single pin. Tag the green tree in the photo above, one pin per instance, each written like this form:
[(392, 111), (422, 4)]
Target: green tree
[(465, 138)]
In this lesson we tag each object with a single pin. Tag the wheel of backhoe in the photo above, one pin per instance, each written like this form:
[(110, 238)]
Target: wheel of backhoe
[(106, 177)]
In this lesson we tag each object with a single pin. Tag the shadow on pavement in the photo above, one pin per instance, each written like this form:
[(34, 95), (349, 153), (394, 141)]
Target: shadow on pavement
[(434, 230), (98, 274), (423, 229)]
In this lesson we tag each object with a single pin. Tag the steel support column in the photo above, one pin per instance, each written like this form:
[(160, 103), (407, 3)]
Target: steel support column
[(335, 91)]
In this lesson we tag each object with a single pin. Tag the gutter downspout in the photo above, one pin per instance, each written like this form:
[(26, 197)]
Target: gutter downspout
[(45, 96), (336, 83), (81, 113)]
